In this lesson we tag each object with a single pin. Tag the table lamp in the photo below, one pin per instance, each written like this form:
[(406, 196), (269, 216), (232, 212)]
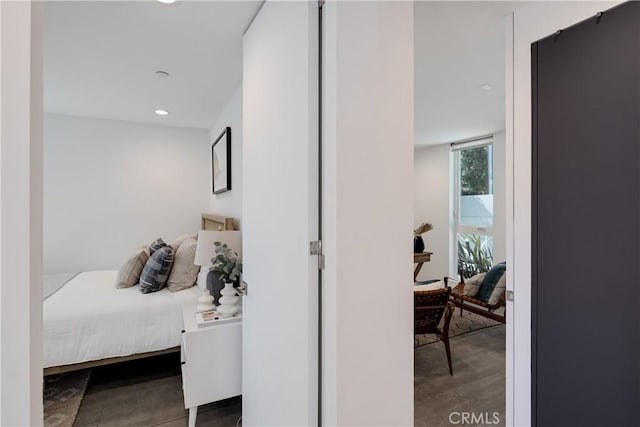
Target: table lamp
[(206, 251)]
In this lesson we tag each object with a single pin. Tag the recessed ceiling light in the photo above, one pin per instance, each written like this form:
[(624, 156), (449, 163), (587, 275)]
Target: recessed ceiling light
[(166, 1), (162, 112), (161, 74), (486, 87)]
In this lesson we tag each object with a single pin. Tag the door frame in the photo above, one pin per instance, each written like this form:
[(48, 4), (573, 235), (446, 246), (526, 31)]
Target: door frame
[(525, 26)]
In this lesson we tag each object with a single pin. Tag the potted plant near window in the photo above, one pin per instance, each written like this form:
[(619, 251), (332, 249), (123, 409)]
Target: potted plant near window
[(229, 268), (418, 243)]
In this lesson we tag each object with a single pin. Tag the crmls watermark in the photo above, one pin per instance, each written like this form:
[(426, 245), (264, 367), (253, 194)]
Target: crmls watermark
[(474, 418)]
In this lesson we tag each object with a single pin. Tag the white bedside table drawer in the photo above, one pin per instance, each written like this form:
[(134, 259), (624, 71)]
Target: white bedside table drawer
[(211, 361)]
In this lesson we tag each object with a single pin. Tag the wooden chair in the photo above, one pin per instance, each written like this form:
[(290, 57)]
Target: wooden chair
[(475, 305), (429, 308)]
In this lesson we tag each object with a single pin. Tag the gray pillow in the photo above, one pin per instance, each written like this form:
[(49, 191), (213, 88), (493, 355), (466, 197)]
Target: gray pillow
[(156, 271)]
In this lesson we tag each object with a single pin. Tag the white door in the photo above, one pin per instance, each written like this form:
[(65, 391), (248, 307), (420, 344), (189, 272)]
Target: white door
[(280, 215)]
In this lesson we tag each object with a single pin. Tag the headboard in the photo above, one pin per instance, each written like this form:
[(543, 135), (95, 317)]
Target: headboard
[(217, 223)]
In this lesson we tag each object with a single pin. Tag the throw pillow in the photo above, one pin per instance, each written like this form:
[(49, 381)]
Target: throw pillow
[(130, 272), (156, 271), (184, 273), (472, 285), (181, 239), (490, 280), (499, 290), (155, 245)]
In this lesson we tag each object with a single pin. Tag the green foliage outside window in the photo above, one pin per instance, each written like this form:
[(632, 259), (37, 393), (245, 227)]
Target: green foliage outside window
[(474, 171), (474, 254)]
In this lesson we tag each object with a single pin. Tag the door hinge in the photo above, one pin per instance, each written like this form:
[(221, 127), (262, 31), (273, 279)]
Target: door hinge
[(509, 295), (315, 248)]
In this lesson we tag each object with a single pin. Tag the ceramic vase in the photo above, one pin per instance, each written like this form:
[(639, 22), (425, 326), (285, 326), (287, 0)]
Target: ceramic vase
[(205, 301), (418, 245), (229, 301)]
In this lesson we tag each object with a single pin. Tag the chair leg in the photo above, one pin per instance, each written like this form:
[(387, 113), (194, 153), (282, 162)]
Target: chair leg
[(445, 334), (448, 350)]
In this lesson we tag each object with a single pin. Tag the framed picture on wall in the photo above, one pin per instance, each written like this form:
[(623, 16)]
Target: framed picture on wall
[(221, 162)]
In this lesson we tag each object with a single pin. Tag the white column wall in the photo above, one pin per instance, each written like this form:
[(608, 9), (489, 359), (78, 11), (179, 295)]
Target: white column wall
[(21, 214), (433, 175), (368, 216)]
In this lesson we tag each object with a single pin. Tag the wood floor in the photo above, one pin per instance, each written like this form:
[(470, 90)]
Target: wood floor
[(477, 385), (149, 393), (146, 393)]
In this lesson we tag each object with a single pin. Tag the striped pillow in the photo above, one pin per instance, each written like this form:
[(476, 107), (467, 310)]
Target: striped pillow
[(156, 271), (472, 285), (181, 239), (156, 244), (184, 272)]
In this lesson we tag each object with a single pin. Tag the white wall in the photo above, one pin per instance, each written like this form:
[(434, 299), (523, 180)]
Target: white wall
[(530, 24), (368, 216), (433, 175), (432, 203), (21, 214), (111, 186), (230, 202)]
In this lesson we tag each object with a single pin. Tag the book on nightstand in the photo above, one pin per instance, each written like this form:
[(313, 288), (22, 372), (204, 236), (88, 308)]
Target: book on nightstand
[(212, 317)]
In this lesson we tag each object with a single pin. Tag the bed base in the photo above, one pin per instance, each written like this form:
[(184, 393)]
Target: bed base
[(52, 370)]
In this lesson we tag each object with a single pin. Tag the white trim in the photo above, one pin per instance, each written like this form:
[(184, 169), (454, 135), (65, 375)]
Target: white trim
[(21, 214), (509, 168), (472, 143)]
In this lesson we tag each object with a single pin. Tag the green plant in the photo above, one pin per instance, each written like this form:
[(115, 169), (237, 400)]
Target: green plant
[(474, 254), (226, 263)]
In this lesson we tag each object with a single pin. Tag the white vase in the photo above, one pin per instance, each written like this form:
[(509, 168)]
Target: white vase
[(229, 302), (205, 301)]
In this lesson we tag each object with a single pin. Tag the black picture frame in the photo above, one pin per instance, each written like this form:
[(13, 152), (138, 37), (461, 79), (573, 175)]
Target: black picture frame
[(221, 162)]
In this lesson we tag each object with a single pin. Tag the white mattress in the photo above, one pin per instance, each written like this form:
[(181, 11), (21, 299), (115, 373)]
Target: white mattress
[(89, 319)]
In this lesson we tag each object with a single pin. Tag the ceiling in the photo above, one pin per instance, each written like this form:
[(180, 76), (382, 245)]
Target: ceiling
[(459, 47), (100, 59)]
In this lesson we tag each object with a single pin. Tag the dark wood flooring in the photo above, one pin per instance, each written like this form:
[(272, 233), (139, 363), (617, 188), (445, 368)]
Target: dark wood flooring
[(477, 385), (148, 393)]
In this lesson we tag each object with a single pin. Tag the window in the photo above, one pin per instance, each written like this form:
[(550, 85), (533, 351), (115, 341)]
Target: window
[(473, 206)]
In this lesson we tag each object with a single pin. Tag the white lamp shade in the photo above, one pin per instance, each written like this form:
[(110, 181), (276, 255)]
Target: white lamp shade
[(206, 250)]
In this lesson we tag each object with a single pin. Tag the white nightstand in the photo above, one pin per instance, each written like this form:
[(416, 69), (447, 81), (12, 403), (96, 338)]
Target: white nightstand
[(211, 359)]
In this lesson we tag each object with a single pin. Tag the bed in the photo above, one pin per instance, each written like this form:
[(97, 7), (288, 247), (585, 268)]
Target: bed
[(88, 322)]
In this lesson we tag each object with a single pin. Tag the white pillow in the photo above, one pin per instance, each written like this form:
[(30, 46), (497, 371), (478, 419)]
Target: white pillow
[(430, 287), (472, 285), (499, 290), (180, 239), (184, 272)]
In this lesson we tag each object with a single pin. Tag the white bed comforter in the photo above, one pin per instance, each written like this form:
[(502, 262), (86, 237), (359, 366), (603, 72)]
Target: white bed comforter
[(89, 319)]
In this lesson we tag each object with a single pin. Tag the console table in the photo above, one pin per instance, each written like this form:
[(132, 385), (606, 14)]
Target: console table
[(420, 259)]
